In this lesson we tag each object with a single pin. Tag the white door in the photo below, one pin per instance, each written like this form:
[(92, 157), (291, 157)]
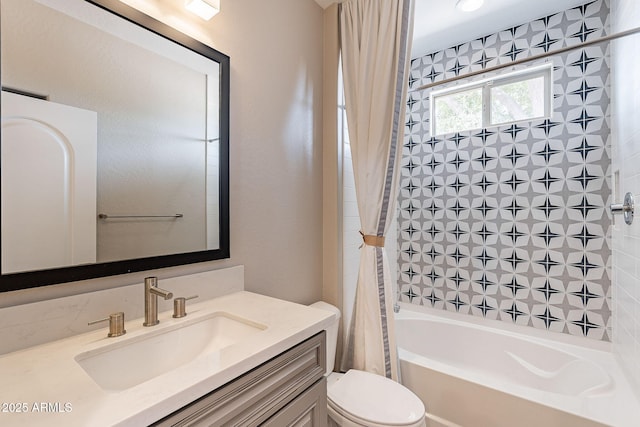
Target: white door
[(48, 171)]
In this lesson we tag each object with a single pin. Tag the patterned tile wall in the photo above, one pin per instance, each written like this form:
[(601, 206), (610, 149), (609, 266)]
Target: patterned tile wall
[(509, 222)]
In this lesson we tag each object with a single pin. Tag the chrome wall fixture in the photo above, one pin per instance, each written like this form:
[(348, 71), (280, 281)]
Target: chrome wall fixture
[(626, 208)]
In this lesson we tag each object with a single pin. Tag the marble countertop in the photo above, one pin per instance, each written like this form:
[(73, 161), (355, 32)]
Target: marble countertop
[(45, 386)]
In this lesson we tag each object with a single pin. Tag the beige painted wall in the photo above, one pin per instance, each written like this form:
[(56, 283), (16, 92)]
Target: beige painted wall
[(276, 149), (276, 155)]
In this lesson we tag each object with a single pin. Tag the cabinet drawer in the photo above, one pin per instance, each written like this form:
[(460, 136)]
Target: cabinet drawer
[(307, 410), (257, 395)]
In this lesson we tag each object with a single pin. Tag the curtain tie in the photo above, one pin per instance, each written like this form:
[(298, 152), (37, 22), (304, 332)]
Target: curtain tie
[(370, 240)]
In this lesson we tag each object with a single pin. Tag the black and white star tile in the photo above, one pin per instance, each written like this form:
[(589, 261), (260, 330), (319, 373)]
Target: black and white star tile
[(509, 222), (515, 286), (514, 311)]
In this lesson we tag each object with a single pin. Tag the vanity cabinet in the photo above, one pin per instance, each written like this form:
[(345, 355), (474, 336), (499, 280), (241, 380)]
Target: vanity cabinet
[(288, 390)]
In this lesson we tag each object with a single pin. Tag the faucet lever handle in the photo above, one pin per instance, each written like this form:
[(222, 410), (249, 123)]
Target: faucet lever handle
[(179, 306), (116, 324)]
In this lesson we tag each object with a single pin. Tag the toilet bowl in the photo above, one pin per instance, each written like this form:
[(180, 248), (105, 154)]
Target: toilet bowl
[(358, 398)]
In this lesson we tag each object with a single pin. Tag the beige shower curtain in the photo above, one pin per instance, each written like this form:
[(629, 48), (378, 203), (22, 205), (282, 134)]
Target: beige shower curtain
[(375, 44)]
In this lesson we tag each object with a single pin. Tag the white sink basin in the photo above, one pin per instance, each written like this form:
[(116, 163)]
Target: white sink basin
[(128, 362)]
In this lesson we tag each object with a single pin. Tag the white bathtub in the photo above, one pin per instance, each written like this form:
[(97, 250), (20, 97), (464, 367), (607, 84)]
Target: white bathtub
[(474, 375)]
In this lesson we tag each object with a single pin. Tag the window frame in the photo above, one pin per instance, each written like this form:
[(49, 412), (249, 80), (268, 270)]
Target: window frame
[(545, 71)]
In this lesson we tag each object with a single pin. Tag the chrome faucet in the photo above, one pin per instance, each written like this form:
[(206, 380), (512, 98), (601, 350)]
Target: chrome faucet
[(151, 294)]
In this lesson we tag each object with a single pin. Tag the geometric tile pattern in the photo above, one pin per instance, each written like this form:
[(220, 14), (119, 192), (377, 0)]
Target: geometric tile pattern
[(509, 222)]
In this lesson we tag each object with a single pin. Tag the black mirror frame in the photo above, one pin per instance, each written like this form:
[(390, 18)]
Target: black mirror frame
[(32, 279)]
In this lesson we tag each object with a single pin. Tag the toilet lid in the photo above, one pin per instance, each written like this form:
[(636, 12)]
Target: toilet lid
[(376, 399)]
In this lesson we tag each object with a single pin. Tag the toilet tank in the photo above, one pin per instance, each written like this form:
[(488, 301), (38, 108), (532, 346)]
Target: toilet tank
[(332, 332)]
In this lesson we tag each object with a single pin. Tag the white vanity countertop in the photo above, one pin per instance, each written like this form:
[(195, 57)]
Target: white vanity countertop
[(50, 388)]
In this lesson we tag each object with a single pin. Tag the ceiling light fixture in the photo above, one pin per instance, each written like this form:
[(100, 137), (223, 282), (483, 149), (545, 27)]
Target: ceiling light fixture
[(204, 9), (469, 5)]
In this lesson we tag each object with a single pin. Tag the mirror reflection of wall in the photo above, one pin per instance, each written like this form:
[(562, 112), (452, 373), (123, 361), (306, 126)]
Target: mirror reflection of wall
[(157, 120)]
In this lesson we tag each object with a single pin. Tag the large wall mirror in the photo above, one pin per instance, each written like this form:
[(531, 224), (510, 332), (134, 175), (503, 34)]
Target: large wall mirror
[(115, 142)]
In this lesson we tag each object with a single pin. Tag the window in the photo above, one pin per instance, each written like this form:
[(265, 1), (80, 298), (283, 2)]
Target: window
[(518, 96), (457, 111)]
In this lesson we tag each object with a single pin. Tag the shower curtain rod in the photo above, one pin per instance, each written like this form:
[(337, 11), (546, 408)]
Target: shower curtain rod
[(530, 58)]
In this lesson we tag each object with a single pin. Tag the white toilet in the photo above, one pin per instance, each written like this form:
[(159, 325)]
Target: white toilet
[(359, 398)]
